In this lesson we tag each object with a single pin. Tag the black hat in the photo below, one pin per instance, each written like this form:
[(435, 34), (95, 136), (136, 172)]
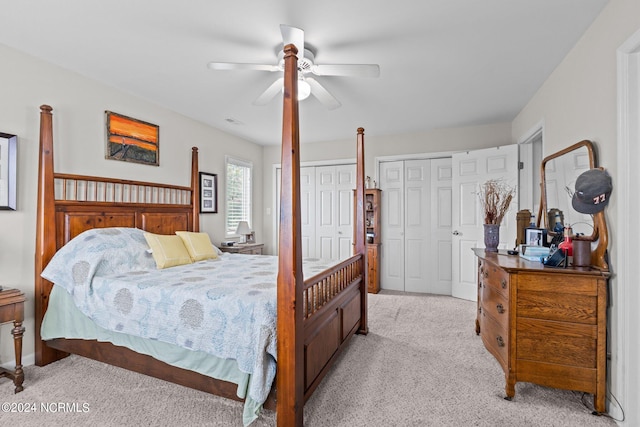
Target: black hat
[(593, 189)]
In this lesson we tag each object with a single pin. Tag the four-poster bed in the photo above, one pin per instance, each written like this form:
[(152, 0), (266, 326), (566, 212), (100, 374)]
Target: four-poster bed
[(316, 316)]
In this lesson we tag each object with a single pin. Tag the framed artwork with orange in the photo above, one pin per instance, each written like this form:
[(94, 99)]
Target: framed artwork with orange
[(132, 140)]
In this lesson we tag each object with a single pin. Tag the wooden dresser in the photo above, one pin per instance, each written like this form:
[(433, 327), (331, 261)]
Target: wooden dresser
[(544, 325)]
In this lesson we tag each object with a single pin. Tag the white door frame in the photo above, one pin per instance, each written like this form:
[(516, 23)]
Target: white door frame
[(529, 174), (625, 340)]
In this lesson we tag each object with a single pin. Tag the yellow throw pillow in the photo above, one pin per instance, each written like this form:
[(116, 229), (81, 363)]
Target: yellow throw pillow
[(198, 245), (167, 250)]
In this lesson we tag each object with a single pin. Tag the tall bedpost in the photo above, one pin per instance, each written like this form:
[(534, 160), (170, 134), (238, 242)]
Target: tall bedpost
[(360, 243), (290, 375), (45, 233), (195, 189)]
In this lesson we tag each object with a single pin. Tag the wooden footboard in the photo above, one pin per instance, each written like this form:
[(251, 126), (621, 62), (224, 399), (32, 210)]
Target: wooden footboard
[(331, 310), (317, 316)]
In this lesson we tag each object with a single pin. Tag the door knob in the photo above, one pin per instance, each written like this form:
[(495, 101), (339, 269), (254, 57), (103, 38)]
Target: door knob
[(456, 233)]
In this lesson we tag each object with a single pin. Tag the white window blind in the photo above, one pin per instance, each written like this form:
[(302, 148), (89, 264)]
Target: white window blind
[(238, 193)]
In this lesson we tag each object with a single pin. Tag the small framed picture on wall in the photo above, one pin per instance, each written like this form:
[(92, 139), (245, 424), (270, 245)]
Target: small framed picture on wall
[(208, 192), (8, 171)]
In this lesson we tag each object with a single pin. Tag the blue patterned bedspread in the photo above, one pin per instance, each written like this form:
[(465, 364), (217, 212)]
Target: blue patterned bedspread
[(225, 307)]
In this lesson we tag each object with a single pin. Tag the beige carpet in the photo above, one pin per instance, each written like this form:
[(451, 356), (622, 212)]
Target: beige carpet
[(421, 365)]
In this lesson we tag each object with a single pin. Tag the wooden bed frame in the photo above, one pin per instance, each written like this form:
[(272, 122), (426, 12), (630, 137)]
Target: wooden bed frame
[(316, 317)]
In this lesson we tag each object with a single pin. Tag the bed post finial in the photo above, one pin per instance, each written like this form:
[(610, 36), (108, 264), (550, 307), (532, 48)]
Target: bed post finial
[(290, 376)]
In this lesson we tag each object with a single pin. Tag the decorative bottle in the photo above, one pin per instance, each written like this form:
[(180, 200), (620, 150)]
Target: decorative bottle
[(558, 227), (567, 243)]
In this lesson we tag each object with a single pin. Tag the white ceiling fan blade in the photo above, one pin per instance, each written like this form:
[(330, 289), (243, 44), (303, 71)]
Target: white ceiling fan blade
[(322, 94), (228, 66), (350, 70), (293, 35), (271, 91)]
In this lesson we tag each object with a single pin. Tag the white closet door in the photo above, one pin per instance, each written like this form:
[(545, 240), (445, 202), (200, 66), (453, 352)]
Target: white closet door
[(417, 174), (392, 234), (471, 170), (325, 212), (334, 211), (308, 210), (439, 238), (345, 184), (416, 229), (326, 208)]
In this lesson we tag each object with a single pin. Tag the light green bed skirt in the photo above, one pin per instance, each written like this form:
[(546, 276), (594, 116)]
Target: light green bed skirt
[(64, 320)]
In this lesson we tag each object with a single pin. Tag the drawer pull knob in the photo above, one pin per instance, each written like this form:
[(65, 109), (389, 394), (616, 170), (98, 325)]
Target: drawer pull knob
[(503, 282), (500, 308), (500, 341)]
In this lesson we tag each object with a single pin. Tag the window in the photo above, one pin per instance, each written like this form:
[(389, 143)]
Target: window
[(238, 193)]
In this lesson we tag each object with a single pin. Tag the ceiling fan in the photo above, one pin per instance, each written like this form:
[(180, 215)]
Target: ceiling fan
[(307, 68)]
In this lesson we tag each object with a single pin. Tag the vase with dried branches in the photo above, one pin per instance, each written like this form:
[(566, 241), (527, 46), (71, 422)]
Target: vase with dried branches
[(495, 198)]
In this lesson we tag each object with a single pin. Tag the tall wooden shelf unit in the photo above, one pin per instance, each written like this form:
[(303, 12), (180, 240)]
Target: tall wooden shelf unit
[(372, 226)]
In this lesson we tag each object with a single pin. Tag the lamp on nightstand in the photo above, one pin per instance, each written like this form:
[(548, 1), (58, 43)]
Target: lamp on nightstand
[(244, 230)]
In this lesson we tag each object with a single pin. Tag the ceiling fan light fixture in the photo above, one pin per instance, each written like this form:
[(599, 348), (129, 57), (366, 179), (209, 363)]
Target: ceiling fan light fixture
[(304, 90), (307, 68)]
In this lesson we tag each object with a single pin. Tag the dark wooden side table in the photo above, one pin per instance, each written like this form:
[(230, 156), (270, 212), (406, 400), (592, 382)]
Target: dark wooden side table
[(244, 248), (12, 310)]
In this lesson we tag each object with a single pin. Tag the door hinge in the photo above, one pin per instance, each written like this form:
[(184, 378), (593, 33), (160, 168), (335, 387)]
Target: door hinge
[(520, 165)]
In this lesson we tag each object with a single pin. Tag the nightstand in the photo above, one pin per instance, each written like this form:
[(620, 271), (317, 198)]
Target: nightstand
[(244, 248), (12, 310)]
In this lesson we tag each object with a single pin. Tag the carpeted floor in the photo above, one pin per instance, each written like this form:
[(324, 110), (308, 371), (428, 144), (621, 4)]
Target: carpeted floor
[(420, 365)]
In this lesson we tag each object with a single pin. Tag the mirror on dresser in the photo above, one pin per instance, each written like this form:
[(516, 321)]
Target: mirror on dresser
[(559, 172)]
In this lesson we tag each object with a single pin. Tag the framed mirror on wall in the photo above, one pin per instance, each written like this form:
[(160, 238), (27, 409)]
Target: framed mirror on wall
[(559, 174)]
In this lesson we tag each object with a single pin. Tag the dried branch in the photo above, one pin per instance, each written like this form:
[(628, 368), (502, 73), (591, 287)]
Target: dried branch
[(495, 197)]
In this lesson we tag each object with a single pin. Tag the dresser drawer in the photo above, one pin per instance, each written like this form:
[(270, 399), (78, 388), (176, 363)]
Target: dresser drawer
[(561, 343), (496, 305), (494, 277), (496, 338), (558, 306)]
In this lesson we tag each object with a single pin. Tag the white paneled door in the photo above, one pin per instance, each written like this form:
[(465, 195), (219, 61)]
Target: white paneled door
[(334, 211), (470, 171), (440, 236), (308, 210), (392, 222), (416, 225), (326, 208)]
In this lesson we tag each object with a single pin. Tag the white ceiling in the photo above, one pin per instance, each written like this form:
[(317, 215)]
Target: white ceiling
[(443, 63)]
